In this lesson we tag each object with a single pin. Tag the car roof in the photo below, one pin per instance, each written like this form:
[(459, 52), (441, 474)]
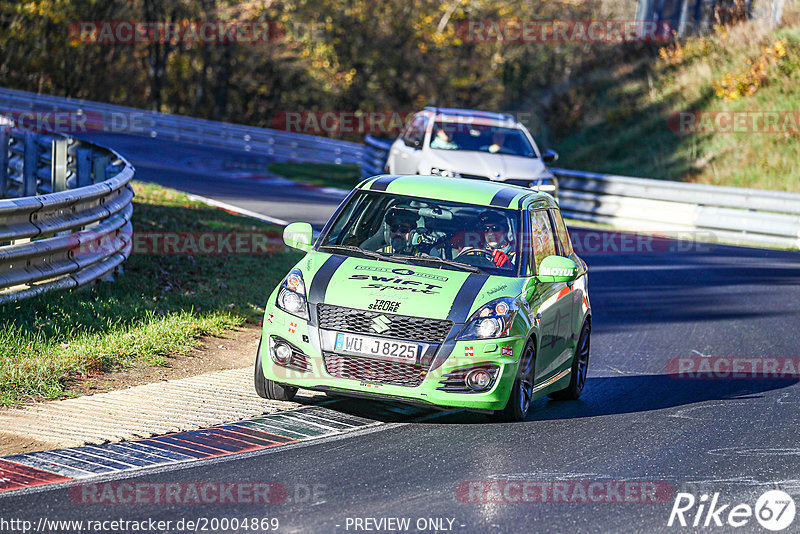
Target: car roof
[(458, 112), (468, 191)]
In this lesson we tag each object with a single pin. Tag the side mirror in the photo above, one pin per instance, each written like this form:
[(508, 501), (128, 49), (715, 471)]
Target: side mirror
[(298, 235), (413, 143), (557, 269), (549, 156)]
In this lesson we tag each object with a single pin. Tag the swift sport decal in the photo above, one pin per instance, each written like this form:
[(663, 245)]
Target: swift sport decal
[(382, 283)]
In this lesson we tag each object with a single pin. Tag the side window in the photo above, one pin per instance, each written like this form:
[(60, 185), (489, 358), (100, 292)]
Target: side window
[(542, 236), (565, 245), (415, 133)]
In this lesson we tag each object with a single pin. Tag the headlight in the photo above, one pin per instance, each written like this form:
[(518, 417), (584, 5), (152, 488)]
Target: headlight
[(543, 184), (546, 188), (436, 171), (492, 320), (292, 295)]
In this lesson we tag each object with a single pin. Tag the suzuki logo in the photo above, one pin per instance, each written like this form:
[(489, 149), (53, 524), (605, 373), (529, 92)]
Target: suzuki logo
[(380, 324)]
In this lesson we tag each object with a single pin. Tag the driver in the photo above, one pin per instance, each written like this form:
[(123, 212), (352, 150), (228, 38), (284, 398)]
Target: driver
[(498, 140), (400, 222), (496, 240)]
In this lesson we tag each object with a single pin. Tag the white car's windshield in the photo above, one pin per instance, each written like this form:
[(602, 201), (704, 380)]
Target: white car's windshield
[(428, 232), (481, 138)]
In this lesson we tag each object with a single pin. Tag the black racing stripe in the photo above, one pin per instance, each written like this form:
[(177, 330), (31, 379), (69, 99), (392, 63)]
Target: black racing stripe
[(459, 313), (522, 200), (503, 198), (382, 183), (466, 296), (319, 285)]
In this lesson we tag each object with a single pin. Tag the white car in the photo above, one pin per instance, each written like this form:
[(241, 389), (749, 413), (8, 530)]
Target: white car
[(472, 144)]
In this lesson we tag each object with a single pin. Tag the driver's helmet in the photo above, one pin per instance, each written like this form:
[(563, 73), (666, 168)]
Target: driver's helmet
[(401, 215), (494, 218)]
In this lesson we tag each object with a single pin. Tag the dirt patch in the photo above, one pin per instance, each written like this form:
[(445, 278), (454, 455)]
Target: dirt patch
[(212, 354)]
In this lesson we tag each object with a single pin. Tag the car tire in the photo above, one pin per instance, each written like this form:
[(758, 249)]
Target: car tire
[(519, 400), (580, 367), (269, 389)]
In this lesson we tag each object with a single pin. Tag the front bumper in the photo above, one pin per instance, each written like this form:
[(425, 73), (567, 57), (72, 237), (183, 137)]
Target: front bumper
[(438, 385)]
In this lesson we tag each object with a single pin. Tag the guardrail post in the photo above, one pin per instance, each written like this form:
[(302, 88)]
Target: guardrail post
[(99, 169), (58, 165), (4, 140), (83, 167), (31, 161)]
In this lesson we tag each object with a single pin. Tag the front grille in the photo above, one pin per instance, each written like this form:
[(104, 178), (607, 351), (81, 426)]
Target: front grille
[(418, 329), (371, 370)]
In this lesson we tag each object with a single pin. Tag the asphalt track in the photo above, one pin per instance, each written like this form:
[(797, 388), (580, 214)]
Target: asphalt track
[(637, 420)]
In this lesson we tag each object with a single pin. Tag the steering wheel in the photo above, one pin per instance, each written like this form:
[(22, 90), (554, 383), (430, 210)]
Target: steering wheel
[(477, 257)]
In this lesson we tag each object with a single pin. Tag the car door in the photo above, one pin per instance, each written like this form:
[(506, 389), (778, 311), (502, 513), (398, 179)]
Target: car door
[(577, 289), (406, 155), (550, 303)]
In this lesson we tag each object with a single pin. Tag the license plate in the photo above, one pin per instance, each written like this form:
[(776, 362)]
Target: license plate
[(373, 347)]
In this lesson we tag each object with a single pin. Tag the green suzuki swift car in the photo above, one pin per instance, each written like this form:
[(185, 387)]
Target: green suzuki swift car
[(434, 291)]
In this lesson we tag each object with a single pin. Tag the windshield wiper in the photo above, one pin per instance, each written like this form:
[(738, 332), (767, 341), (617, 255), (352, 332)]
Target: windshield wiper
[(451, 263), (367, 253)]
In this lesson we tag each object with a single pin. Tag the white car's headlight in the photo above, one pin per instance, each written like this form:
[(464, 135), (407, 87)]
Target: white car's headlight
[(492, 320), (436, 171), (292, 295), (547, 188)]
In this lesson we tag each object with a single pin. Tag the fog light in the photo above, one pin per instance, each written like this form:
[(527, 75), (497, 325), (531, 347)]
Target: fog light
[(479, 379), (282, 353)]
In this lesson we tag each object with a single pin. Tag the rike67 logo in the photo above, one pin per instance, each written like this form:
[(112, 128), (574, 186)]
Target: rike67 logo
[(774, 510)]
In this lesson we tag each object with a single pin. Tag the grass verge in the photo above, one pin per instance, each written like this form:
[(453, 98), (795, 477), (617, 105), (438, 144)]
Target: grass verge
[(160, 305), (344, 176)]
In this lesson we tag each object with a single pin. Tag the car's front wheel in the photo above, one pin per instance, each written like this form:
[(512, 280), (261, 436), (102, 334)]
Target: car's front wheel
[(269, 389), (519, 400), (580, 367)]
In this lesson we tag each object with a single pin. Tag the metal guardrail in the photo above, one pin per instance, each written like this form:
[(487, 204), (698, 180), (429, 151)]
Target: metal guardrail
[(98, 117), (67, 221), (732, 214), (376, 152)]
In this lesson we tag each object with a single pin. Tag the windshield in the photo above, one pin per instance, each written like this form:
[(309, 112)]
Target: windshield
[(427, 232), (481, 138)]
